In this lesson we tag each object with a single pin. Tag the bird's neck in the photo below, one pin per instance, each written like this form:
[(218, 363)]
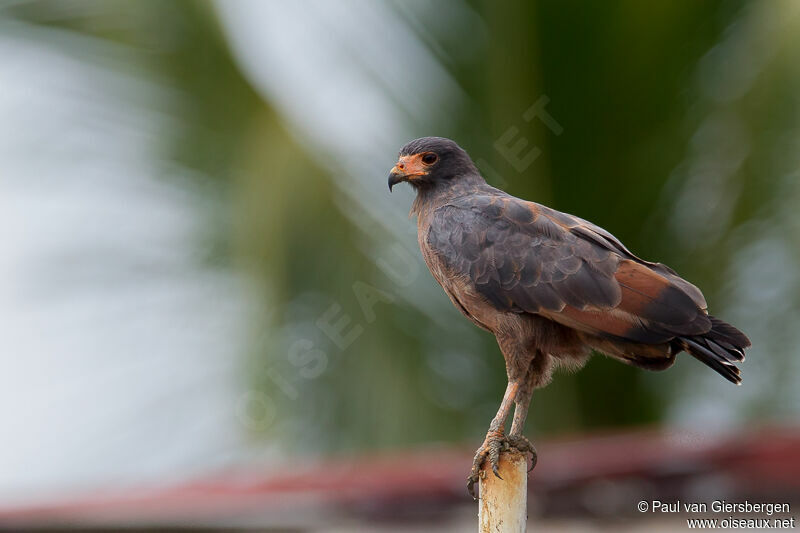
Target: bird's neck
[(431, 197)]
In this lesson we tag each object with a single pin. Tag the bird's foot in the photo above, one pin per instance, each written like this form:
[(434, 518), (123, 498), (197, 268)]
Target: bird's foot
[(494, 444), (523, 445)]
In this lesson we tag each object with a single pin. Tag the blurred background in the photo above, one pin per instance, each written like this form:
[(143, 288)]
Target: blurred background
[(213, 313)]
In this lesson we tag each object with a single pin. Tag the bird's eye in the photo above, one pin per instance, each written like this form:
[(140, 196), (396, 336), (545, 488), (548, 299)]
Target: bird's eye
[(429, 158)]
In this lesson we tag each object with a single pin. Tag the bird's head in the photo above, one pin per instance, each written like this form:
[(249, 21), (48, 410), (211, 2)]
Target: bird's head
[(429, 162)]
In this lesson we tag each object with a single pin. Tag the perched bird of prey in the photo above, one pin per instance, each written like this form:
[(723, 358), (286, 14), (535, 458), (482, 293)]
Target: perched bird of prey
[(550, 286)]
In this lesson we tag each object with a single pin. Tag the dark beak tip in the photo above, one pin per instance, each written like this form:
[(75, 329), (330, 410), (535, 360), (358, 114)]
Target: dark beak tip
[(394, 179)]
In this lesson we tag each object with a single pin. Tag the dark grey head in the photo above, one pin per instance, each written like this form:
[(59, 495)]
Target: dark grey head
[(431, 161)]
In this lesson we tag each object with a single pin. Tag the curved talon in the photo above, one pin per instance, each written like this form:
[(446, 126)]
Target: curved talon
[(471, 480), (496, 472), (534, 460)]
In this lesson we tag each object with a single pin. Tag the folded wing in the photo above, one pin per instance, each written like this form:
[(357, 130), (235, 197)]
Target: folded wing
[(526, 258)]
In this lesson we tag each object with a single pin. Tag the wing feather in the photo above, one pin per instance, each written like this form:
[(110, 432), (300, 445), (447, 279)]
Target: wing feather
[(526, 258)]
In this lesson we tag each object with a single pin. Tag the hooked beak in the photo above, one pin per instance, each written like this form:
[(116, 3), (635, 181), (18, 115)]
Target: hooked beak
[(408, 168), (395, 178)]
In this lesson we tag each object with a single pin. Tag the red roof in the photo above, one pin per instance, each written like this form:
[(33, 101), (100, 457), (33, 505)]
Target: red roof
[(571, 475)]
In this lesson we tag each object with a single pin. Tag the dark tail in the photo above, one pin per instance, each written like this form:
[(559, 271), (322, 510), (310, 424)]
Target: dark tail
[(721, 348)]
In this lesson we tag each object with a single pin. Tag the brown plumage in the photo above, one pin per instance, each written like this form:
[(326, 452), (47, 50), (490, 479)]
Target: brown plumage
[(551, 287)]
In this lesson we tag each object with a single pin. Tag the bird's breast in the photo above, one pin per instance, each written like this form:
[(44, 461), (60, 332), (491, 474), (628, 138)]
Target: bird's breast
[(458, 288)]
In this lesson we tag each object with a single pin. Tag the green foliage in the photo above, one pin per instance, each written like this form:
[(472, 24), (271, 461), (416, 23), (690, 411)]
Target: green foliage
[(621, 79)]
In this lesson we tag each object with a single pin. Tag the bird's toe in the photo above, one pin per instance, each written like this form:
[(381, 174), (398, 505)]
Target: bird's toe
[(523, 445), (490, 451)]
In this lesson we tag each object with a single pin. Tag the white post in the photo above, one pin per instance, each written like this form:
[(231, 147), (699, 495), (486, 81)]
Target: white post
[(503, 502)]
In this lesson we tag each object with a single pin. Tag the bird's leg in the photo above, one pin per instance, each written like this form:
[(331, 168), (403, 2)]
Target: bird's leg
[(495, 439), (515, 438), (520, 412), (536, 369)]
